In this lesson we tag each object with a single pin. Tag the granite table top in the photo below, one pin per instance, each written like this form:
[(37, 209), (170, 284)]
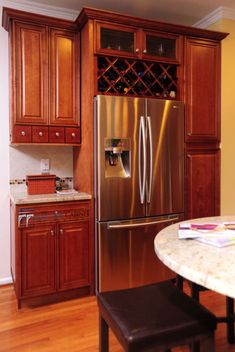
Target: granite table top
[(204, 264), (24, 198)]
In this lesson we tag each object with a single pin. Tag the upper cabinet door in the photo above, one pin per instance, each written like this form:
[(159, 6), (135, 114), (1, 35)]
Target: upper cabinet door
[(202, 77), (161, 47), (117, 40), (64, 77), (30, 73)]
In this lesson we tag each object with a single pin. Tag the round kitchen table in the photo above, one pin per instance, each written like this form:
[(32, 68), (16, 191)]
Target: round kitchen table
[(203, 264)]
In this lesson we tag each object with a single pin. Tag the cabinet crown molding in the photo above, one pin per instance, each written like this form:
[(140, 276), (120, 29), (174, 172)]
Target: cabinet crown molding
[(88, 13), (9, 14)]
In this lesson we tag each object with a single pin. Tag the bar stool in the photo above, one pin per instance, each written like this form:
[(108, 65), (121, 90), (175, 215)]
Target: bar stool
[(155, 317), (229, 318)]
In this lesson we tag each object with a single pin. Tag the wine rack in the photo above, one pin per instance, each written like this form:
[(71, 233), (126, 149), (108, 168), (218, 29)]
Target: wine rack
[(136, 78)]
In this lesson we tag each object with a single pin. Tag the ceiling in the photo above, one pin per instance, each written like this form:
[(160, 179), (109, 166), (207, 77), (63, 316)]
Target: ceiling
[(186, 12)]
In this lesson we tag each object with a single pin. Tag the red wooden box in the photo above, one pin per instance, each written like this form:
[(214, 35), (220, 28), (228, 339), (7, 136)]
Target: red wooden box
[(40, 184)]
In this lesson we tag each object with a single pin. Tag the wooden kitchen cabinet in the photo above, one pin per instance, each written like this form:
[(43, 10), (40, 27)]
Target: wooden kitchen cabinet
[(118, 40), (64, 78), (202, 90), (38, 260), (29, 73), (45, 88), (73, 244), (202, 183), (52, 250)]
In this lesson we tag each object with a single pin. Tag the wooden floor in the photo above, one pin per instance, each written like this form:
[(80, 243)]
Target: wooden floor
[(70, 326)]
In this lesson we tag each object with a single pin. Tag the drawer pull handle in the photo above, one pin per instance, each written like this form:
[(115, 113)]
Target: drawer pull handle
[(52, 233), (40, 134), (144, 51), (61, 231), (57, 134), (23, 133), (73, 134)]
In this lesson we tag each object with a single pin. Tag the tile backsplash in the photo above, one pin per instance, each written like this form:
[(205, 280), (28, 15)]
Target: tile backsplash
[(26, 160)]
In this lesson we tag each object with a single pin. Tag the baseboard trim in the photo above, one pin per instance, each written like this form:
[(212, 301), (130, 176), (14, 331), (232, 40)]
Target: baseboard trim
[(6, 281)]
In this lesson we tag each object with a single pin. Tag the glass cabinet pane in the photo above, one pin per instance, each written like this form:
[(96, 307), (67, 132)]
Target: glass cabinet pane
[(112, 39), (157, 46)]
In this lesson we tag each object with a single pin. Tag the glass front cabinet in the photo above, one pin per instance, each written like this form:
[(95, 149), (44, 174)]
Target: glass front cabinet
[(129, 41)]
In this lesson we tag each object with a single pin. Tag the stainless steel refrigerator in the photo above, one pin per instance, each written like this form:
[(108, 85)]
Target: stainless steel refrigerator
[(139, 170)]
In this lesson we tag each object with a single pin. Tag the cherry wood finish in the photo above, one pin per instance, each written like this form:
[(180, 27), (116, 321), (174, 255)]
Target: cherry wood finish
[(45, 74), (202, 183), (202, 91), (22, 134), (30, 67), (54, 251), (64, 78), (56, 134), (72, 135), (39, 134), (138, 48), (74, 249), (38, 260)]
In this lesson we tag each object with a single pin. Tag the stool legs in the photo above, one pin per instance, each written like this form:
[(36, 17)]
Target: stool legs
[(230, 319), (104, 335)]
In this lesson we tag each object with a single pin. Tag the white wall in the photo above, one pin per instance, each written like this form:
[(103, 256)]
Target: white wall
[(4, 159)]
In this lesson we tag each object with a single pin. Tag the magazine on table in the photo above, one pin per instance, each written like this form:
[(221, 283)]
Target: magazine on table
[(216, 234)]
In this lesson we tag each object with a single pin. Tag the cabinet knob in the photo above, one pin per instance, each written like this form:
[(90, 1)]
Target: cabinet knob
[(23, 133), (137, 50), (73, 134), (57, 134), (52, 233), (61, 231), (145, 51), (189, 134), (40, 134)]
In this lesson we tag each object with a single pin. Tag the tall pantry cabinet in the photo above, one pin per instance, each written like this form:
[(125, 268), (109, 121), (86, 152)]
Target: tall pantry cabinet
[(137, 57)]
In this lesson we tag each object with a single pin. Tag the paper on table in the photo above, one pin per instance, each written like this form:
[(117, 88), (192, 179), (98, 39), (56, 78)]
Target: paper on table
[(207, 230), (218, 241)]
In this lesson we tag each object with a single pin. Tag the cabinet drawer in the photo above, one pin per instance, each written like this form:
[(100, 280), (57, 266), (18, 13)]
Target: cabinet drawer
[(72, 135), (39, 134), (22, 134), (56, 135)]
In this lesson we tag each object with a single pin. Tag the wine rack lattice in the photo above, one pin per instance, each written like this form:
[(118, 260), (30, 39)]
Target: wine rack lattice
[(137, 78)]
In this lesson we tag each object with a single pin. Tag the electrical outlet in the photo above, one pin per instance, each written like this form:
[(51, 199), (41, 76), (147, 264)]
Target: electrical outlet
[(45, 166)]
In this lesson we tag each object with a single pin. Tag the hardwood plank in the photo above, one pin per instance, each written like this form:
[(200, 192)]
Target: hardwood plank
[(72, 325)]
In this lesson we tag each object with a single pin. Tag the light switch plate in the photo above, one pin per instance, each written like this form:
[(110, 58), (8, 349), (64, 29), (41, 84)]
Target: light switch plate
[(45, 166)]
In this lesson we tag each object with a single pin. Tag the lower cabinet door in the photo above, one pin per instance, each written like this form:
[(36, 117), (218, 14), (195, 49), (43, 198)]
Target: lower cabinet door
[(203, 183), (38, 260), (74, 255)]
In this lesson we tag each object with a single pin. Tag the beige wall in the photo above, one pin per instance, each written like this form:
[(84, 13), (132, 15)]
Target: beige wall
[(227, 116)]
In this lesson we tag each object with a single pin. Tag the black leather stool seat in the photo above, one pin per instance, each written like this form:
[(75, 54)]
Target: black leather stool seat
[(153, 316)]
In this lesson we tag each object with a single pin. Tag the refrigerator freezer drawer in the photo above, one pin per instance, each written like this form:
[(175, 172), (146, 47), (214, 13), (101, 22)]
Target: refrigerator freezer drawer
[(126, 256)]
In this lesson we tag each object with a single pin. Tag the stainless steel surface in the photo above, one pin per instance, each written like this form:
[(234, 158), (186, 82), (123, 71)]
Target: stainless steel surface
[(126, 257), (139, 171), (150, 140), (118, 118), (126, 225), (142, 163), (167, 122)]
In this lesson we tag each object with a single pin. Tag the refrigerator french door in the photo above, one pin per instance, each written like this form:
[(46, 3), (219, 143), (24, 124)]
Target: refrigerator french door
[(138, 186)]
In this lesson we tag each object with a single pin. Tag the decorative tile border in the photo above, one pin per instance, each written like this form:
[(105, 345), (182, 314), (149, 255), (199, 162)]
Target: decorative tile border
[(22, 181)]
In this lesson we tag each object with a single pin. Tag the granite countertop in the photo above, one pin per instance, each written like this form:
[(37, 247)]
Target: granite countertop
[(204, 264), (24, 198)]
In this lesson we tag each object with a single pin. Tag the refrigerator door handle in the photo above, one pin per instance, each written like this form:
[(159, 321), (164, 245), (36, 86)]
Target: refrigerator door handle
[(149, 185), (140, 224), (142, 140)]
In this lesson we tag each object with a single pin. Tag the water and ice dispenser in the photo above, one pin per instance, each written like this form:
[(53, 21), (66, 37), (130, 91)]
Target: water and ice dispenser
[(117, 157)]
